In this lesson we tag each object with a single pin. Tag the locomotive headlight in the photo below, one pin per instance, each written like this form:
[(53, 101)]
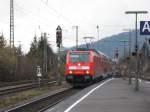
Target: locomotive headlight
[(72, 67), (70, 72), (79, 64), (87, 72)]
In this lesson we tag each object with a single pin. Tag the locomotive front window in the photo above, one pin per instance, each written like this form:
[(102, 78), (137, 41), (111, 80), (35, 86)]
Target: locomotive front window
[(79, 57)]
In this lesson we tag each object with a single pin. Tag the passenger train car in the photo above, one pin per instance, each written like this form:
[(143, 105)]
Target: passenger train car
[(86, 66)]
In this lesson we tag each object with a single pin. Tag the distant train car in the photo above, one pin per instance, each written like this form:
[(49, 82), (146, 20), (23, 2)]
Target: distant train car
[(86, 66)]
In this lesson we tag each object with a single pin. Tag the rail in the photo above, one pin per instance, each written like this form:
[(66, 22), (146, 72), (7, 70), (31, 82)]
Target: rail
[(18, 88), (42, 103)]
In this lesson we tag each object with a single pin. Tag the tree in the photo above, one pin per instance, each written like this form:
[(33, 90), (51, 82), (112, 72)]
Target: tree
[(33, 48), (7, 65), (36, 55), (2, 41)]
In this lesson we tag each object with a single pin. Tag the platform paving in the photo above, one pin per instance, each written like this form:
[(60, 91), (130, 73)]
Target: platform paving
[(114, 96)]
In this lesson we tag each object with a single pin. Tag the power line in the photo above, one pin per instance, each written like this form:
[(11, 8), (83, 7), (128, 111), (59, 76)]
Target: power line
[(52, 9), (58, 14), (33, 14)]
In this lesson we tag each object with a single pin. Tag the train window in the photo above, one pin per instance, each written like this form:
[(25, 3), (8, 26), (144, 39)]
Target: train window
[(79, 57)]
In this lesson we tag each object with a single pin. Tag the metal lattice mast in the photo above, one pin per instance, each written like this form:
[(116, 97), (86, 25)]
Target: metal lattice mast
[(11, 41)]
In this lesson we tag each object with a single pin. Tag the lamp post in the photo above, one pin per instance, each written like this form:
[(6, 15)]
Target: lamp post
[(129, 30), (97, 32), (136, 43), (124, 44), (129, 58), (136, 13)]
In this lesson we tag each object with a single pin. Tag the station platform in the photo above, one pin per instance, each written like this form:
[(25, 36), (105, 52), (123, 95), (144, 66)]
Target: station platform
[(113, 95)]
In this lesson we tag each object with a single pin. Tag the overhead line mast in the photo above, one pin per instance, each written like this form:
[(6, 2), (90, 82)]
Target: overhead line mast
[(77, 28), (11, 41)]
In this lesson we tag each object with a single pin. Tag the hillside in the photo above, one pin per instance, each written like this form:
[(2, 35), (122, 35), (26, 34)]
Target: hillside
[(109, 44)]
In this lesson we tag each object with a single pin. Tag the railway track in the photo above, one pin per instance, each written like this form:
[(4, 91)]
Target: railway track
[(42, 103), (19, 88), (6, 84)]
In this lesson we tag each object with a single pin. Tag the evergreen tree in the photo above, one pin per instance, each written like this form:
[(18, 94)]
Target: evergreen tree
[(33, 48), (2, 41)]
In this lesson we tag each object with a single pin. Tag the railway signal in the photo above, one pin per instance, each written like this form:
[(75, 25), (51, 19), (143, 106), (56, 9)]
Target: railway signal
[(116, 55), (58, 36), (59, 42)]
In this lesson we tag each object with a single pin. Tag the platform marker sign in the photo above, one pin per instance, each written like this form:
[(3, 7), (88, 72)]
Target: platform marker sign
[(144, 27)]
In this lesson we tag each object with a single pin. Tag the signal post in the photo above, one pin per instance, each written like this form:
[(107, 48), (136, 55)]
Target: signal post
[(59, 43)]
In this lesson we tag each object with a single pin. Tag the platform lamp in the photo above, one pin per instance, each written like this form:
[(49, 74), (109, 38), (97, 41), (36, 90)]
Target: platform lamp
[(136, 43)]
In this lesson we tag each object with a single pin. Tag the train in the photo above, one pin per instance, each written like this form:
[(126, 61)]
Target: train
[(86, 66)]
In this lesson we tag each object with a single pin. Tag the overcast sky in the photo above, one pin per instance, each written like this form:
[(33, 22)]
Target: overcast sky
[(36, 16)]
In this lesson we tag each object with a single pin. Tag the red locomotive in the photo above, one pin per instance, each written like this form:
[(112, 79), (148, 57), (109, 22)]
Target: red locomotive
[(86, 66)]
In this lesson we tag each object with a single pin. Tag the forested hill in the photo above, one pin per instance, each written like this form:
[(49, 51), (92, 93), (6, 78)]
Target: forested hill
[(109, 44)]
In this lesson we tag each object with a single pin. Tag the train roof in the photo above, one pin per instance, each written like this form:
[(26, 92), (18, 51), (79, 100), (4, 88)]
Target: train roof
[(85, 49), (102, 54), (98, 52)]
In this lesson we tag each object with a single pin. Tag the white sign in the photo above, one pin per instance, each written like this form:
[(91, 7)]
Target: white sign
[(39, 71), (144, 27)]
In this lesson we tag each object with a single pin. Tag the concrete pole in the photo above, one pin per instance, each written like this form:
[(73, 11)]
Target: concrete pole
[(59, 75), (45, 53), (130, 57), (136, 52), (77, 28)]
